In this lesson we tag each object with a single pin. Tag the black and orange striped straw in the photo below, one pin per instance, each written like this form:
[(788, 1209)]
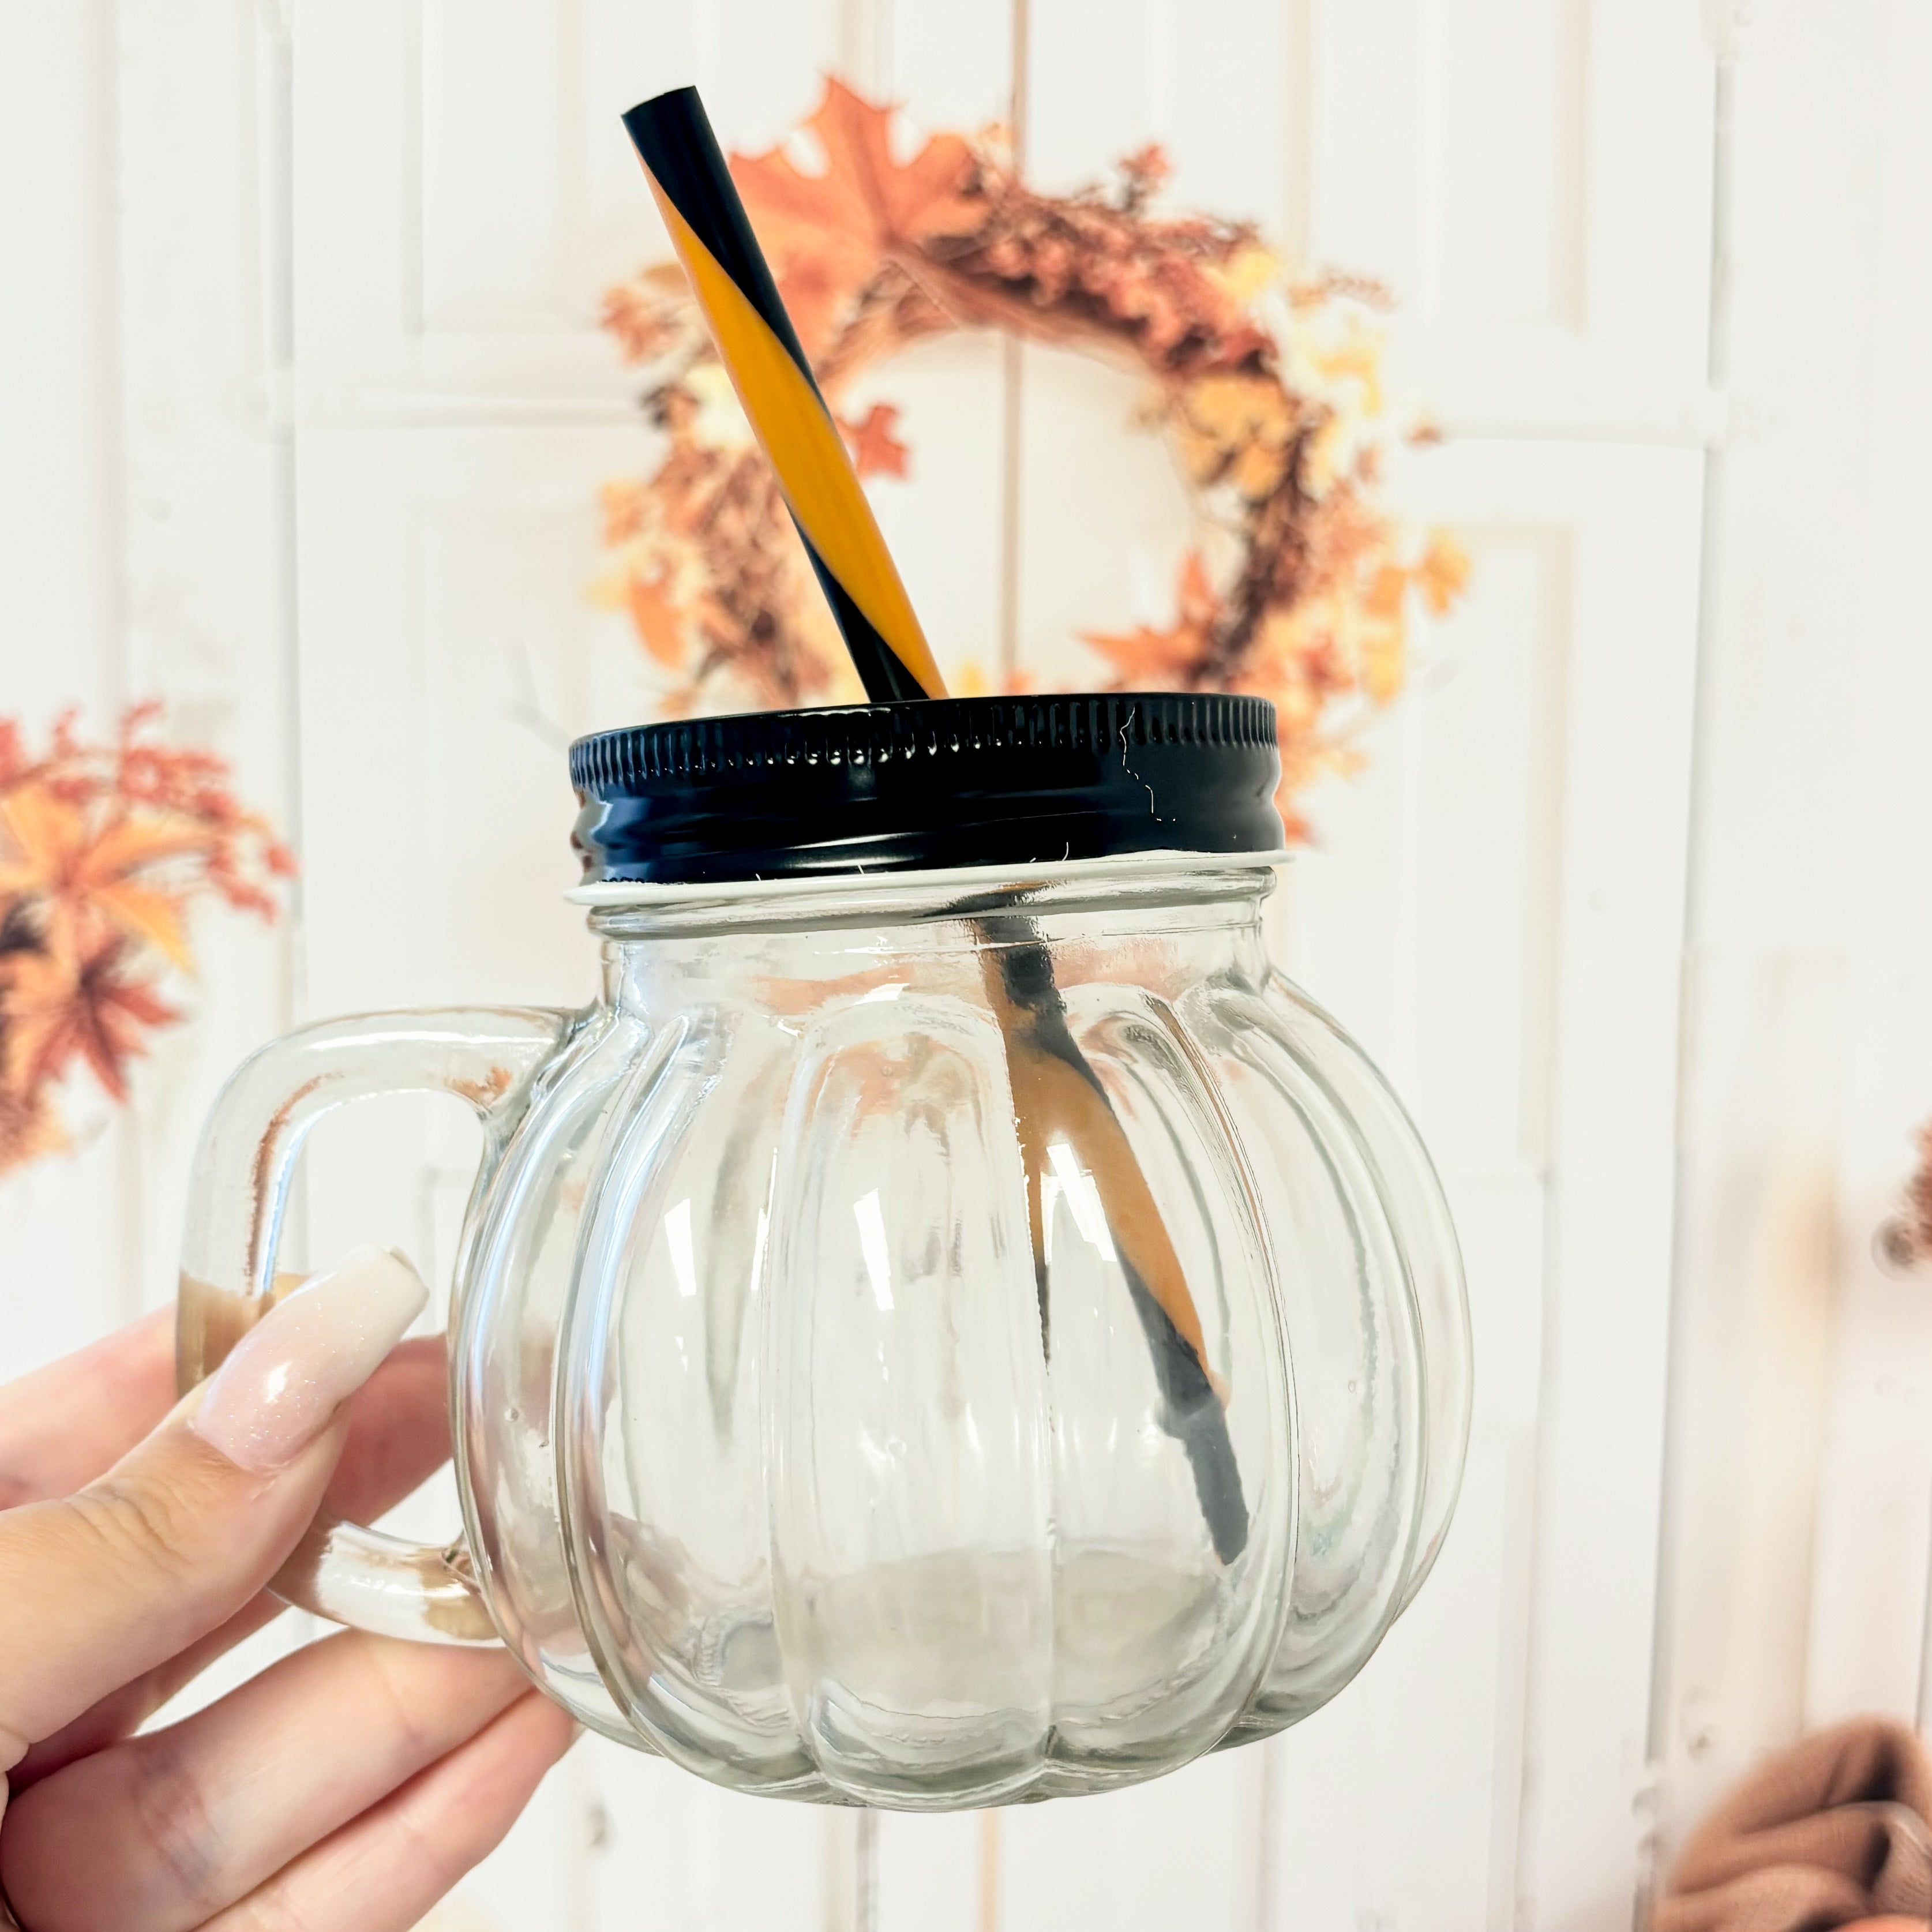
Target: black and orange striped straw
[(760, 352), (1057, 1095)]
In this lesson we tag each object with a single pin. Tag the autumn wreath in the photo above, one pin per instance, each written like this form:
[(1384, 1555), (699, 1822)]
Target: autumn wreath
[(1298, 586)]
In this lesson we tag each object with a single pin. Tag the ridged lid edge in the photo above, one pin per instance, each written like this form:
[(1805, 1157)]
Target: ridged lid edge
[(765, 742)]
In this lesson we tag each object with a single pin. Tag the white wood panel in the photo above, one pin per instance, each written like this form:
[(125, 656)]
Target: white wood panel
[(452, 254), (1627, 758), (204, 355), (953, 69), (677, 1852), (1103, 515), (1397, 1805), (66, 1245), (1473, 897), (446, 574), (61, 488), (1178, 1852), (1424, 912), (1801, 1428), (941, 1874), (1752, 1357), (1871, 1561), (1399, 1801), (1494, 907), (1385, 1806), (1532, 178)]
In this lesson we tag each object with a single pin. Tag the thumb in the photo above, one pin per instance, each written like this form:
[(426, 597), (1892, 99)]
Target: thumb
[(190, 1524)]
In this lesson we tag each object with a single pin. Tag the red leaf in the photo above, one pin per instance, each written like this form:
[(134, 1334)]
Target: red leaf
[(55, 1009)]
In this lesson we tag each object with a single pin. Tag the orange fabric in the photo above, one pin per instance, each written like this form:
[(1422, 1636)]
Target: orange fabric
[(1834, 1832)]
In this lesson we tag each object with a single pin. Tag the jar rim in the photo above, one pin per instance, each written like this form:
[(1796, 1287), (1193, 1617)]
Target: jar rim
[(625, 895)]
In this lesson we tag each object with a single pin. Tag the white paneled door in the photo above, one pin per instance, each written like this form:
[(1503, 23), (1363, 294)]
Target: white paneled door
[(1495, 904), (393, 315)]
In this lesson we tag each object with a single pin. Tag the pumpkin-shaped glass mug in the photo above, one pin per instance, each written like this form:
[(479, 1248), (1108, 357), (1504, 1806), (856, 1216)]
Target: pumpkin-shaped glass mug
[(951, 1324)]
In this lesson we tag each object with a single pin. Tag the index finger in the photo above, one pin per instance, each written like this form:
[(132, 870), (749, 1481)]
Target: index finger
[(105, 1584), (398, 1432)]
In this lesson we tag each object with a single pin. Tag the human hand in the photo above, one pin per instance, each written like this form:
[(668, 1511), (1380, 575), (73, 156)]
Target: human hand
[(344, 1790)]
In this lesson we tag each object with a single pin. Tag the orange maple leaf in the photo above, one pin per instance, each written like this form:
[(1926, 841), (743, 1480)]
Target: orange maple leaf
[(658, 620), (87, 875), (826, 233), (876, 448), (57, 1008), (1146, 656), (1442, 573)]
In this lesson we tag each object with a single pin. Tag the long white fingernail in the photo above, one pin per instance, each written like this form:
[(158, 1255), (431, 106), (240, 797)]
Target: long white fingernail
[(284, 1379)]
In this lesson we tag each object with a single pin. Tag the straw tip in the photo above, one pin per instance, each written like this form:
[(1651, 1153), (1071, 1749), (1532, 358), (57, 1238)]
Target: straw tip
[(677, 102)]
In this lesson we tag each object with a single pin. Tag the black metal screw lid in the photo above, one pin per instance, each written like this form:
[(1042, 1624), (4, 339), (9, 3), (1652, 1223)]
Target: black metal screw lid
[(931, 782)]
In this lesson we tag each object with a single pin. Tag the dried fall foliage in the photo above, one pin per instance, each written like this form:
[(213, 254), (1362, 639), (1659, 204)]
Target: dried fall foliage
[(103, 848), (1904, 1238), (1299, 586)]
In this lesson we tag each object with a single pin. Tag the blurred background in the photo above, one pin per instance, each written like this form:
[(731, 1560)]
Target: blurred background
[(308, 418)]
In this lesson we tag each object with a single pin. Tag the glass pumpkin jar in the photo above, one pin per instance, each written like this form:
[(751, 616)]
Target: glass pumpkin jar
[(951, 1324)]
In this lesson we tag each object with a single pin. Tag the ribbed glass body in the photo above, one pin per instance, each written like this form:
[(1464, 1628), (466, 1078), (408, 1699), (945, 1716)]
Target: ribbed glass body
[(933, 1351)]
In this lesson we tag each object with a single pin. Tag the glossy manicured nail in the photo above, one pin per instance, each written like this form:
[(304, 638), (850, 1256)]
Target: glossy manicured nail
[(284, 1379)]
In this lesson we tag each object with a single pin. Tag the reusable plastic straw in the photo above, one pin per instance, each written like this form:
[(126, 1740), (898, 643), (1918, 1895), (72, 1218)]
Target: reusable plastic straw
[(760, 352), (1058, 1097)]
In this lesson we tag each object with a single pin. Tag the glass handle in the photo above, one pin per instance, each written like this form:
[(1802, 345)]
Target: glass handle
[(486, 1056)]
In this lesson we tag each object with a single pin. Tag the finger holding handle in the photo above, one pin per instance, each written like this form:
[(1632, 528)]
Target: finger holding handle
[(193, 1521), (348, 1785)]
